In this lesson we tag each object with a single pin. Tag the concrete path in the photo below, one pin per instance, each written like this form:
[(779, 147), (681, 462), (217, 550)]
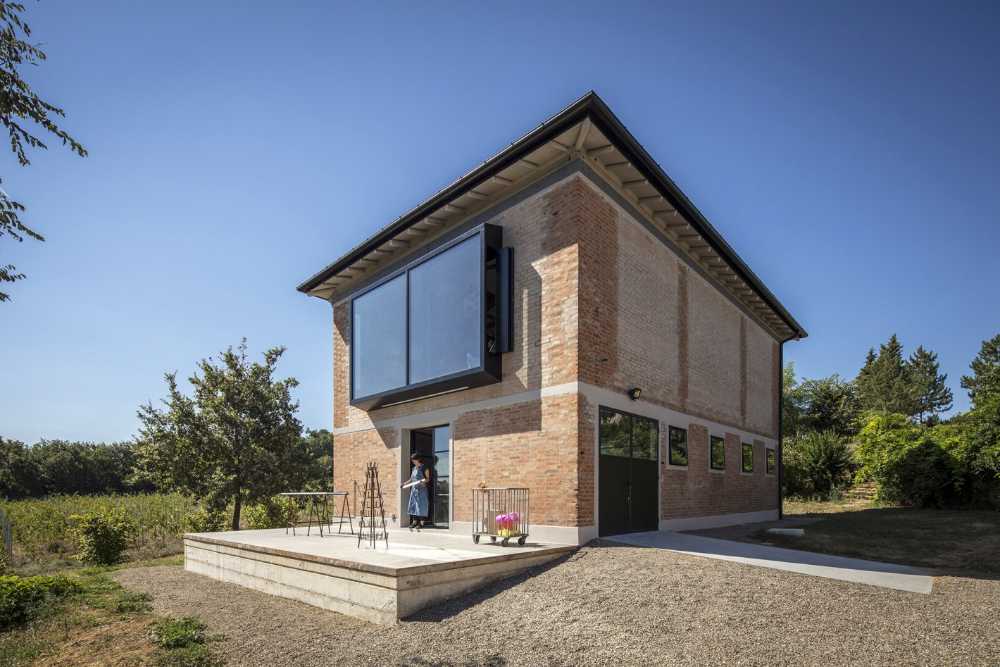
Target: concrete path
[(886, 575)]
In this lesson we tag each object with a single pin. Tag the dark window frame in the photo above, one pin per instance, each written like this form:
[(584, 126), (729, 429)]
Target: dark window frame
[(712, 440), (603, 409), (770, 460), (489, 369), (743, 458), (670, 446)]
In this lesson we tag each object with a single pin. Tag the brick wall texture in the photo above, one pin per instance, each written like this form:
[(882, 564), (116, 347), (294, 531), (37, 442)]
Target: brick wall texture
[(600, 301)]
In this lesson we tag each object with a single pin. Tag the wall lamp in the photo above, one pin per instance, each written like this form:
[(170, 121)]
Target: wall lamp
[(634, 393)]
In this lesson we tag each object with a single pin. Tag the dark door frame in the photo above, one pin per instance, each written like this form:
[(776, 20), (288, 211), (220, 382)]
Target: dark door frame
[(602, 408)]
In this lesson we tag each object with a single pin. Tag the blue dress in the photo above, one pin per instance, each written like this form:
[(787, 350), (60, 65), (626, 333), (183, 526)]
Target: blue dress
[(419, 503)]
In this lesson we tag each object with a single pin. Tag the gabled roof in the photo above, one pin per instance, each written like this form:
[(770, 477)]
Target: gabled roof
[(585, 130)]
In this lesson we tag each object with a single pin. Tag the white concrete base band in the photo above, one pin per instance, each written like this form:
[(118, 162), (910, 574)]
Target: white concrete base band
[(718, 520)]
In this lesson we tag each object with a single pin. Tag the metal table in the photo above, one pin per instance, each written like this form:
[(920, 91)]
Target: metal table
[(320, 512)]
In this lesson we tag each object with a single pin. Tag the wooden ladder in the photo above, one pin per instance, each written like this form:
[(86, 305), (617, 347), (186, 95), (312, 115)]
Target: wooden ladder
[(372, 523)]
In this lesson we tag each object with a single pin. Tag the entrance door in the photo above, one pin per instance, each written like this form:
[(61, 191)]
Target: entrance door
[(435, 444), (628, 473)]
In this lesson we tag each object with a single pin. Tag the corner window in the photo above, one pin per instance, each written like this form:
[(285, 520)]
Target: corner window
[(772, 461), (432, 327), (678, 444), (717, 455), (747, 457)]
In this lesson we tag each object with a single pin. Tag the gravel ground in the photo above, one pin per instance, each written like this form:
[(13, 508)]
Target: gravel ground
[(610, 604)]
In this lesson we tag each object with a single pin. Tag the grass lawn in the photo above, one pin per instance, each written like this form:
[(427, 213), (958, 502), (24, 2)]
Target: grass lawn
[(105, 624), (951, 540)]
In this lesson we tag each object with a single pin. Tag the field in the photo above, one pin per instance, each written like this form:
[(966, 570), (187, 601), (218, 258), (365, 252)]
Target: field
[(42, 527)]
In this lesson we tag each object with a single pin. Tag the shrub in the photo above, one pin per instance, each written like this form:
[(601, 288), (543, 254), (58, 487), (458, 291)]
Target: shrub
[(43, 529), (22, 598), (173, 633), (276, 512), (911, 463), (204, 520), (184, 641), (816, 464), (102, 537)]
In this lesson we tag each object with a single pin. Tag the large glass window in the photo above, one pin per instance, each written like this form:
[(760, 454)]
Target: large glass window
[(446, 314), (772, 461), (431, 328), (378, 343)]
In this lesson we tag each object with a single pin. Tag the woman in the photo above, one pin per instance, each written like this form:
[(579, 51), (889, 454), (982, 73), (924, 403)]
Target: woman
[(419, 492)]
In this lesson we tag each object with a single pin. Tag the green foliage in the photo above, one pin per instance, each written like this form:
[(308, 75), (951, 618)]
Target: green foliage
[(984, 383), (179, 632), (235, 440), (275, 512), (884, 383), (43, 527), (910, 462), (816, 464), (317, 471), (103, 537), (130, 602), (205, 520), (57, 466), (823, 404), (913, 387), (930, 393), (23, 598), (982, 425), (21, 109), (184, 640), (193, 655)]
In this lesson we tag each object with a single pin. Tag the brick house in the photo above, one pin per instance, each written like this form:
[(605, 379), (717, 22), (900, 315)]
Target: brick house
[(561, 318)]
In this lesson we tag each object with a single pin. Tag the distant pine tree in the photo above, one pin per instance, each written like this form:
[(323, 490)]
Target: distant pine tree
[(884, 383), (984, 383), (930, 393)]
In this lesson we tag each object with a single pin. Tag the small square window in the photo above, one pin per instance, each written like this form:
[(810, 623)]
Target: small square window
[(678, 444), (747, 457), (772, 461), (717, 455)]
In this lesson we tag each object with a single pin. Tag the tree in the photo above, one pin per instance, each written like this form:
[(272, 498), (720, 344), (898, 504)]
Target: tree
[(816, 464), (828, 404), (236, 440), (930, 393), (983, 423), (317, 474), (883, 383), (791, 402), (984, 383), (21, 110)]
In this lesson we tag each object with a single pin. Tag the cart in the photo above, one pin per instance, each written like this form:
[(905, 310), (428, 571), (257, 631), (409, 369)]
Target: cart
[(501, 514)]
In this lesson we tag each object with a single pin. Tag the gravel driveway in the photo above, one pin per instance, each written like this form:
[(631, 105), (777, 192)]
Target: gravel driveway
[(610, 604)]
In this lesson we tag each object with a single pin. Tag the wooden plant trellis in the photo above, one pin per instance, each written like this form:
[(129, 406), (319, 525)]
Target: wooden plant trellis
[(372, 522)]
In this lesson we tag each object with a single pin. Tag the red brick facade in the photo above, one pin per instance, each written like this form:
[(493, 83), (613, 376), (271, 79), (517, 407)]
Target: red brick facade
[(600, 306)]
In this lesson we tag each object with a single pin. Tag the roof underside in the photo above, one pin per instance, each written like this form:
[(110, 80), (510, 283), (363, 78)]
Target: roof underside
[(588, 131)]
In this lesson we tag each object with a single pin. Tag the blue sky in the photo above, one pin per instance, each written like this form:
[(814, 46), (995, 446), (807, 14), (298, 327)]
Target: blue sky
[(849, 152)]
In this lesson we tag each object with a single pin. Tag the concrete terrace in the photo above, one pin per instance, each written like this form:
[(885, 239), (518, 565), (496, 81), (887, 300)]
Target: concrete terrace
[(381, 585)]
